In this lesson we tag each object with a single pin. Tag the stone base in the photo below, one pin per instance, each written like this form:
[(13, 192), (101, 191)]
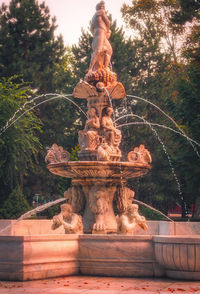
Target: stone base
[(38, 257), (87, 155), (183, 275), (41, 257)]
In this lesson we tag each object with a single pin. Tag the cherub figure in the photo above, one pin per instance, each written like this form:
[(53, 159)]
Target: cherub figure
[(71, 222), (128, 221)]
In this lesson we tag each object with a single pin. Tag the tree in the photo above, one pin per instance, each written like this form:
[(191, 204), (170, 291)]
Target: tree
[(15, 205), (19, 144), (28, 45), (187, 11), (156, 41)]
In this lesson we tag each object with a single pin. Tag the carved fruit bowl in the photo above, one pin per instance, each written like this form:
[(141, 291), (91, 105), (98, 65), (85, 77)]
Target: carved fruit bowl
[(98, 169)]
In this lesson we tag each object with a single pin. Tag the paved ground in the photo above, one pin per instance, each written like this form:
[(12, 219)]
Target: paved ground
[(99, 285)]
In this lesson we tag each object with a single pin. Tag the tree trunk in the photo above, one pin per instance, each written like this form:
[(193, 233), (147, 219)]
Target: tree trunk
[(196, 210)]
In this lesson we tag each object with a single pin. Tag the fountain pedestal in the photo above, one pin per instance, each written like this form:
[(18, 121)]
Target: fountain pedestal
[(94, 185)]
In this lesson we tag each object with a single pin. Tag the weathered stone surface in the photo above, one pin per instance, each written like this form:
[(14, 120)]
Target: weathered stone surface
[(38, 257), (96, 169), (112, 255), (179, 255)]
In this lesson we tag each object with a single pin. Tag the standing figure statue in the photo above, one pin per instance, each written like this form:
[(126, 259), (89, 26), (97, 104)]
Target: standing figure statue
[(100, 28)]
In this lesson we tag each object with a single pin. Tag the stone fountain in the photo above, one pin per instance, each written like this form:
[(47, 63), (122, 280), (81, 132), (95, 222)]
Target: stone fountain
[(99, 178), (99, 231)]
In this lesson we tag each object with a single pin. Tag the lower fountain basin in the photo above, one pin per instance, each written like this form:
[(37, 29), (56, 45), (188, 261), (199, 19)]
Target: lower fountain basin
[(30, 250), (99, 169), (179, 256)]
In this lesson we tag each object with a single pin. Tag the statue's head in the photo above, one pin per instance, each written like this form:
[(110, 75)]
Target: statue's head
[(132, 208), (109, 110), (66, 210), (100, 5), (91, 112)]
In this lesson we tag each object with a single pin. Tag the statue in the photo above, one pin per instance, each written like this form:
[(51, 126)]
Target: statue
[(57, 154), (123, 198), (140, 155), (104, 152), (128, 221), (102, 50), (88, 138), (71, 222), (100, 198), (112, 135)]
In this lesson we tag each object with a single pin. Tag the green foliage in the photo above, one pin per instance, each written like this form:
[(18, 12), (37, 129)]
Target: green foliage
[(15, 205), (50, 212), (74, 153), (151, 214), (27, 43), (188, 11), (19, 144), (161, 76)]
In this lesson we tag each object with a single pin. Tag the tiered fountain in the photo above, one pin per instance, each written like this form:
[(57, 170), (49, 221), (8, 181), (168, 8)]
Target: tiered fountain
[(99, 178), (100, 222)]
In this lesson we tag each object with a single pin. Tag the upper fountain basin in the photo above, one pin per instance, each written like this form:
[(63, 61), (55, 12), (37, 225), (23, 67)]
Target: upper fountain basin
[(99, 169)]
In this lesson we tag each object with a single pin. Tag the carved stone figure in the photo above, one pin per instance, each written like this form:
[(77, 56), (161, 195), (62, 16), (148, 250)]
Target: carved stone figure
[(123, 198), (100, 198), (89, 138), (71, 222), (140, 155), (104, 152), (75, 196), (112, 135), (128, 221), (102, 50), (57, 154), (100, 28)]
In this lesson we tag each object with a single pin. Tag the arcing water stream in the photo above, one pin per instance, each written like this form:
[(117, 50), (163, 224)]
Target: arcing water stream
[(15, 118), (33, 212), (12, 120)]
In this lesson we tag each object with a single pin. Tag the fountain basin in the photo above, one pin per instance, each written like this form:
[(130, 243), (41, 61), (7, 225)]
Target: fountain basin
[(99, 169), (31, 250), (39, 257), (179, 255)]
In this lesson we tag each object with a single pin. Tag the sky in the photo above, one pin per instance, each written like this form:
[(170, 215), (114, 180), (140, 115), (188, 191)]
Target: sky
[(72, 15)]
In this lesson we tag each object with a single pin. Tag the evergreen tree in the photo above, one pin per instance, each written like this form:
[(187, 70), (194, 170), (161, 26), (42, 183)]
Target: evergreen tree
[(28, 45), (15, 205)]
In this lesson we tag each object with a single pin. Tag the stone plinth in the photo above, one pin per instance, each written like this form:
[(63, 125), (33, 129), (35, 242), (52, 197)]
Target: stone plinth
[(38, 257), (114, 255)]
